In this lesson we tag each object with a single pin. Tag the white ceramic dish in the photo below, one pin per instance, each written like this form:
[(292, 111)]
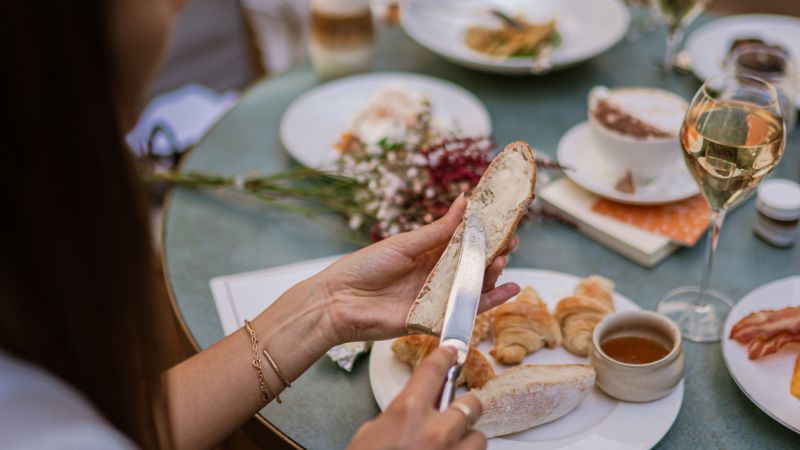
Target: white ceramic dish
[(587, 28), (312, 124), (579, 151), (598, 422), (765, 381), (646, 158), (708, 45)]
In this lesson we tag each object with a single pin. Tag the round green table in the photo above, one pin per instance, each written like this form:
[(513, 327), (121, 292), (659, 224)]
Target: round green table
[(208, 234)]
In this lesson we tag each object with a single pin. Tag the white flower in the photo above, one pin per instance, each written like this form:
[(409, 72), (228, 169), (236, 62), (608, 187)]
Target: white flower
[(419, 160), (356, 221)]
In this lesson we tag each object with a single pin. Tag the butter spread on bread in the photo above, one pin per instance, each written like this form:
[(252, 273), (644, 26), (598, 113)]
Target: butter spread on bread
[(501, 198)]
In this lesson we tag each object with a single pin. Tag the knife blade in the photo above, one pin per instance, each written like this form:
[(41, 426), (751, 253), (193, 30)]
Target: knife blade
[(462, 303)]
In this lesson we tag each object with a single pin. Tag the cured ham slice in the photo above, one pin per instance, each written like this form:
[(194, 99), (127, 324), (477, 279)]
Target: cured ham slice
[(764, 325), (761, 347)]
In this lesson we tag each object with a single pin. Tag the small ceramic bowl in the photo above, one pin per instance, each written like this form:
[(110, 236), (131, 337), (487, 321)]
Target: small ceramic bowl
[(646, 158), (638, 382)]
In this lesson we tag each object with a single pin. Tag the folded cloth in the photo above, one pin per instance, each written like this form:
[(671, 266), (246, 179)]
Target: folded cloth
[(684, 222), (345, 355), (176, 120)]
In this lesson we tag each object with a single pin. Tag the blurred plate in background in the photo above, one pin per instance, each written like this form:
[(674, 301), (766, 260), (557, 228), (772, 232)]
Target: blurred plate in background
[(709, 45), (587, 28), (313, 122)]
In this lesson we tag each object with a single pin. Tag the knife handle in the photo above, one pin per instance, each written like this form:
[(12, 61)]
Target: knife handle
[(449, 388)]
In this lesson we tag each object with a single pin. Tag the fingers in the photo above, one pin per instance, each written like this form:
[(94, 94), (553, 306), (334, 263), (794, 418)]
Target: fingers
[(417, 242), (498, 296), (475, 440), (493, 273), (460, 416), (426, 382), (512, 245), (496, 268)]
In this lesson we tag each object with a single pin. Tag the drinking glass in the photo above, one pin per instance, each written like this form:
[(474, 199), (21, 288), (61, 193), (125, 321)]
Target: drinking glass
[(642, 18), (732, 136), (676, 14), (771, 64)]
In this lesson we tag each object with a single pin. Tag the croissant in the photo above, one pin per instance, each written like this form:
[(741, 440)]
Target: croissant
[(483, 324), (413, 349), (579, 314), (523, 326)]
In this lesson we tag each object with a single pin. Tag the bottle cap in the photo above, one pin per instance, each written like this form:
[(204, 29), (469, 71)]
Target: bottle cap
[(779, 199)]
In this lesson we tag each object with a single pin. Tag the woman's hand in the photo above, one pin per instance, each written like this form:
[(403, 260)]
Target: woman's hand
[(411, 422), (370, 292)]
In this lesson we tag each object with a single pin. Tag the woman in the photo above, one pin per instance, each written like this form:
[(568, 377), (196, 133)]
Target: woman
[(81, 356)]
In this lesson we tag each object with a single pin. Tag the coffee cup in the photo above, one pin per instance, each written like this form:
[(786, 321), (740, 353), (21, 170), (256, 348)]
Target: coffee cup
[(637, 129)]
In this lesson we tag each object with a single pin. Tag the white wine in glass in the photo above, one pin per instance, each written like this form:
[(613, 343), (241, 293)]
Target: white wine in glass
[(676, 14), (732, 137)]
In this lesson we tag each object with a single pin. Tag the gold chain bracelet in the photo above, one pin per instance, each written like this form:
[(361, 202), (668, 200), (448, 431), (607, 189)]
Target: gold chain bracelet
[(278, 372), (266, 391)]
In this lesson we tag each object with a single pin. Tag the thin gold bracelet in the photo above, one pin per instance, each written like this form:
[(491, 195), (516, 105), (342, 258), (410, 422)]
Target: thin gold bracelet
[(278, 372), (266, 391)]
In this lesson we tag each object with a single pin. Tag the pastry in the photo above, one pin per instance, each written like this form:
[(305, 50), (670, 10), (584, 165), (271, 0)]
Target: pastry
[(523, 326), (483, 324), (413, 349), (579, 314)]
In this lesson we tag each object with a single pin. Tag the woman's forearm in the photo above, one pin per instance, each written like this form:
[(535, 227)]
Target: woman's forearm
[(215, 391)]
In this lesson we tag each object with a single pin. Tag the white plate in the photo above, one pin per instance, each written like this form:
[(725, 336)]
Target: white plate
[(599, 422), (765, 381), (314, 121), (708, 45), (587, 28), (579, 151)]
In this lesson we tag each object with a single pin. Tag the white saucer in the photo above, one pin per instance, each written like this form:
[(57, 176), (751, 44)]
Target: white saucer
[(313, 122), (765, 381), (599, 422), (709, 44), (579, 151), (587, 28)]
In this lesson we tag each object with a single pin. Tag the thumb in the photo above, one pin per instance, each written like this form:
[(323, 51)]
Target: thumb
[(436, 234)]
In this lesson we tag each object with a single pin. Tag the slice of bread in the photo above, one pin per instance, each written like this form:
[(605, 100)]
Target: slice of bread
[(531, 395), (502, 196)]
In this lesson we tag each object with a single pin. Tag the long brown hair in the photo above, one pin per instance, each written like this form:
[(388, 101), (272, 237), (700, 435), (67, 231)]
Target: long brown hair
[(78, 280)]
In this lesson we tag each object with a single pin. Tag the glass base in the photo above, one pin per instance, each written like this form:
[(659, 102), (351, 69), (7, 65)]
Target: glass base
[(701, 322)]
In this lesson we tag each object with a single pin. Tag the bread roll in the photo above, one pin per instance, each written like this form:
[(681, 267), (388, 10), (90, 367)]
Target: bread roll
[(502, 196), (531, 395)]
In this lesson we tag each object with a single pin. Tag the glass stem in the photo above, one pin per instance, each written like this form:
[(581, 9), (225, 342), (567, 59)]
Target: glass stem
[(674, 38), (717, 217)]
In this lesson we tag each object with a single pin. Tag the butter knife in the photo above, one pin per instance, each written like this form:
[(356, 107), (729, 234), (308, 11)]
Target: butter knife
[(462, 303)]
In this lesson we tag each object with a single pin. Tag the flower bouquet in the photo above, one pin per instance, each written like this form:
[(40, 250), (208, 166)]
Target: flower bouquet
[(394, 173)]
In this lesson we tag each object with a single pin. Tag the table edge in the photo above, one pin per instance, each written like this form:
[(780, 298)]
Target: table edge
[(168, 284)]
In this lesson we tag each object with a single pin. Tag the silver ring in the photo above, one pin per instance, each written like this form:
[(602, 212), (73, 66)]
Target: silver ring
[(466, 411)]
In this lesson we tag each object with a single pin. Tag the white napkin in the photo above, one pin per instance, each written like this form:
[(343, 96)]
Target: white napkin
[(187, 112)]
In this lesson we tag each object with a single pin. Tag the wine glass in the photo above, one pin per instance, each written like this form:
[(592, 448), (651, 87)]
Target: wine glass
[(676, 14), (642, 18), (732, 136)]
